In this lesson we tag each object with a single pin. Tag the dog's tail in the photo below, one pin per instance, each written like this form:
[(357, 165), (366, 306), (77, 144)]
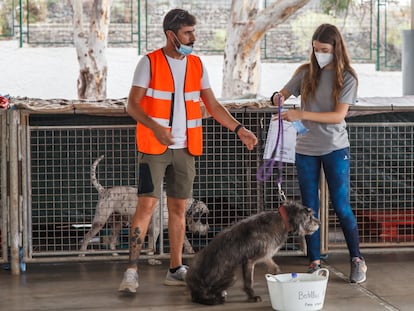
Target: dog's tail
[(94, 180)]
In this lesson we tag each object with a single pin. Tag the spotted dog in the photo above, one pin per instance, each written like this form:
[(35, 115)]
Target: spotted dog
[(122, 200)]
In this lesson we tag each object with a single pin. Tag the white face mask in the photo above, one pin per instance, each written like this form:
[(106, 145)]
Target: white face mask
[(323, 59)]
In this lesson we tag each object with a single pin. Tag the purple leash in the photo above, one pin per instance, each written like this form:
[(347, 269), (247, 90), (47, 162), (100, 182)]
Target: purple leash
[(265, 170)]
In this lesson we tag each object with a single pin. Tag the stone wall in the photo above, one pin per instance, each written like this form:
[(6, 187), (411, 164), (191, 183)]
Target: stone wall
[(287, 42)]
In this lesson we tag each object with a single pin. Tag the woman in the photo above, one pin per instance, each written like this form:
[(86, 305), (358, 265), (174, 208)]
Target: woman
[(327, 85)]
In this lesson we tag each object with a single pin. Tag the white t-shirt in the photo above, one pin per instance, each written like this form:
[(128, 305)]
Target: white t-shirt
[(142, 78)]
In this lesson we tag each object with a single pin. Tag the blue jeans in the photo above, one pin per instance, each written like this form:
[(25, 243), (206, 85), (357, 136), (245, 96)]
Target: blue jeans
[(336, 169)]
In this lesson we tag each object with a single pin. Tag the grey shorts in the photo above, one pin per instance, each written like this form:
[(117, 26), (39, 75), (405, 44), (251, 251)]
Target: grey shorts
[(176, 165)]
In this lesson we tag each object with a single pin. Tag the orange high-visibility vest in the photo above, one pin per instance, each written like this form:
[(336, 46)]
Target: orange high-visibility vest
[(158, 103)]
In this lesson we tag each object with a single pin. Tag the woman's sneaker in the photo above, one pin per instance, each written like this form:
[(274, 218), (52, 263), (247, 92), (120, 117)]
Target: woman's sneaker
[(358, 270), (129, 283), (177, 278), (313, 267)]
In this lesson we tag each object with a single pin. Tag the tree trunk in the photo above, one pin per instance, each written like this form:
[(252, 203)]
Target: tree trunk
[(91, 48), (246, 27)]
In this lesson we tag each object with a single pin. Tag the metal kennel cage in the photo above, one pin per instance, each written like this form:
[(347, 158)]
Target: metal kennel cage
[(63, 199), (46, 174)]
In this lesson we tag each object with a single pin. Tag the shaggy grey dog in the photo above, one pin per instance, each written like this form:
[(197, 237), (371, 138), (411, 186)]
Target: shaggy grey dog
[(252, 240)]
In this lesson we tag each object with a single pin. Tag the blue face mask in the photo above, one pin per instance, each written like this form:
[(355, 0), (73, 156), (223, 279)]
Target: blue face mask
[(184, 49)]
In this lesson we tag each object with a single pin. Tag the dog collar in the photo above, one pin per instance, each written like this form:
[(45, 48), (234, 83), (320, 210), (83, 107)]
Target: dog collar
[(285, 218)]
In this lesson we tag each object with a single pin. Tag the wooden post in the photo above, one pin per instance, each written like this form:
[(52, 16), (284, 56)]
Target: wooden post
[(13, 116), (3, 184), (412, 14), (324, 213)]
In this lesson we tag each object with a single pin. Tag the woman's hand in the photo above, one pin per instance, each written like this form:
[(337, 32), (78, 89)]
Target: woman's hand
[(290, 115), (278, 99)]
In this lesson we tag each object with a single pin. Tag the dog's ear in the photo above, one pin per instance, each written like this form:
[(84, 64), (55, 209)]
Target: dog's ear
[(297, 215), (291, 211)]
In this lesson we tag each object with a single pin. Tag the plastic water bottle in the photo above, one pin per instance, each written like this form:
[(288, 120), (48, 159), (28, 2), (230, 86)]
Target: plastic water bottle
[(294, 278), (299, 127), (22, 263)]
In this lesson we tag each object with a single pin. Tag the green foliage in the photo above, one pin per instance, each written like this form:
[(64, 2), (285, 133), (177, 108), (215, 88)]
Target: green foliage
[(219, 39), (33, 11), (304, 26), (6, 18), (394, 33), (36, 11), (334, 7), (120, 12), (52, 4)]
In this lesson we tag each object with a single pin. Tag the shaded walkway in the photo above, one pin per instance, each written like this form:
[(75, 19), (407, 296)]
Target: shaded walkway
[(93, 286)]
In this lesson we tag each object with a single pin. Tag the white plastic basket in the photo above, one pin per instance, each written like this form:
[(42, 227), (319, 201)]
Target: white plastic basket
[(305, 294)]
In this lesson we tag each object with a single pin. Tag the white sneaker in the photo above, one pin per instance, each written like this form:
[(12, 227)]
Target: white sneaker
[(177, 278), (129, 283)]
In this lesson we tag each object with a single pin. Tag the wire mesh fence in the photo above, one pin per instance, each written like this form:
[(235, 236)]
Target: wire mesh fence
[(63, 197), (383, 184), (381, 181), (64, 201)]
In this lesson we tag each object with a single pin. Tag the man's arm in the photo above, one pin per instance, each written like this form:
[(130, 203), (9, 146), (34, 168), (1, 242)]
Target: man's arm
[(136, 94)]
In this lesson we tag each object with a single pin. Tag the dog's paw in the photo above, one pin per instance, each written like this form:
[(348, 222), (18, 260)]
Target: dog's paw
[(255, 299)]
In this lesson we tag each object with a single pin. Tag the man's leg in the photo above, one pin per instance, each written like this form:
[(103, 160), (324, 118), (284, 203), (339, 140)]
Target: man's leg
[(139, 226), (151, 170), (176, 230), (179, 180)]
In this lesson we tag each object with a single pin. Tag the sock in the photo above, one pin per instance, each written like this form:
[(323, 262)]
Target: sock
[(173, 270)]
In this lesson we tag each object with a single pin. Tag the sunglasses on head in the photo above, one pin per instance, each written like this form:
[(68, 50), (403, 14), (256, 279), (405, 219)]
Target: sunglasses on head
[(178, 16)]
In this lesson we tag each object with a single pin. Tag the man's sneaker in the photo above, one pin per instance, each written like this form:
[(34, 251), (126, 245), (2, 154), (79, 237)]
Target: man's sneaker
[(129, 283), (313, 267), (177, 278), (358, 270)]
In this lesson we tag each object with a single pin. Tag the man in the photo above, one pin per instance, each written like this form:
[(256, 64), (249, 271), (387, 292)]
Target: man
[(165, 101)]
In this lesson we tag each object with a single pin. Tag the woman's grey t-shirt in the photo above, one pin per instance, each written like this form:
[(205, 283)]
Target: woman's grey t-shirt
[(323, 138)]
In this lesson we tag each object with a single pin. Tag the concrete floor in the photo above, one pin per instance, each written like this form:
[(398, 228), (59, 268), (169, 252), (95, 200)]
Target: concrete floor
[(93, 286)]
